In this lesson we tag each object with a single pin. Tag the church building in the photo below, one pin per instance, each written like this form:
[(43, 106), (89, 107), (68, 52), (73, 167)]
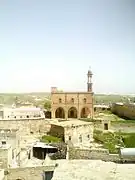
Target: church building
[(66, 105)]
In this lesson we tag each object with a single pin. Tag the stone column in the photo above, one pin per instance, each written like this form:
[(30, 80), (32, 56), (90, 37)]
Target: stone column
[(53, 114), (67, 155), (66, 114)]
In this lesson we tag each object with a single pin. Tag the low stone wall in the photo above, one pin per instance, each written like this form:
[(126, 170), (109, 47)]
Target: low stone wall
[(26, 126), (92, 154), (28, 173)]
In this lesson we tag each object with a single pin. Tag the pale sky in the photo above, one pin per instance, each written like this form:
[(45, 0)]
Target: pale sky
[(46, 43)]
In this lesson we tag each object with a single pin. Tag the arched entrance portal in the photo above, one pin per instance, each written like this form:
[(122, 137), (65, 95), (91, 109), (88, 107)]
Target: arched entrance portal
[(85, 112), (59, 113), (72, 112)]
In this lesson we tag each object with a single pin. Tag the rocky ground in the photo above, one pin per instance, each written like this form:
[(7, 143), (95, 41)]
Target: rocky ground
[(93, 170)]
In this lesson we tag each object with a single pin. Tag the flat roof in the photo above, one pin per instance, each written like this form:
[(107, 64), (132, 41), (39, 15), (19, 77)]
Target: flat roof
[(72, 92), (43, 145), (101, 106), (70, 123)]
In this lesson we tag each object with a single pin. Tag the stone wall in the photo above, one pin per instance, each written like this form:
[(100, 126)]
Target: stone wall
[(28, 173), (116, 126), (26, 126), (11, 136), (57, 131), (92, 154), (79, 135), (126, 111), (5, 157), (123, 127), (1, 174)]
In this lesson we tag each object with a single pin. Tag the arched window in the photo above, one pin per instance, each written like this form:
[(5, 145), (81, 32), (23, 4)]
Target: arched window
[(72, 100), (80, 138), (60, 100), (84, 100), (69, 138)]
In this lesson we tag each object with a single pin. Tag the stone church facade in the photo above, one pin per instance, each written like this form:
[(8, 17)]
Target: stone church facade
[(66, 105)]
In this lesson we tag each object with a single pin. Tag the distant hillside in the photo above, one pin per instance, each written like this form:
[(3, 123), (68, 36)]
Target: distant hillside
[(36, 98), (40, 97), (103, 98)]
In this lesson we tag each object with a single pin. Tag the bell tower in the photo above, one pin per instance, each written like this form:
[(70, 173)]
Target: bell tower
[(89, 83)]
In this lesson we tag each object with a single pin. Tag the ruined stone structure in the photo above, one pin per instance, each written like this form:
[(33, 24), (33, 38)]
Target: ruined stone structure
[(76, 133), (73, 104), (12, 137), (26, 126), (99, 108), (2, 174), (5, 156), (30, 173), (124, 110)]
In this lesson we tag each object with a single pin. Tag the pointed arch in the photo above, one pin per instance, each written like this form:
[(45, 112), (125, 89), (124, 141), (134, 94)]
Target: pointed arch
[(85, 112), (72, 112), (60, 113)]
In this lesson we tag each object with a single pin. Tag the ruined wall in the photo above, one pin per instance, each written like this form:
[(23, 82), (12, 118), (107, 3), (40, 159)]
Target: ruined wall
[(1, 174), (11, 136), (26, 126), (92, 154), (81, 135), (5, 157), (28, 173), (57, 131), (125, 111)]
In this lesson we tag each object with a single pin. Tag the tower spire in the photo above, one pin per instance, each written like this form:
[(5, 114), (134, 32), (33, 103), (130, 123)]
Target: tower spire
[(89, 83)]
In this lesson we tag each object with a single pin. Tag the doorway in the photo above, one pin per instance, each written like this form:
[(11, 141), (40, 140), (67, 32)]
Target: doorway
[(106, 126)]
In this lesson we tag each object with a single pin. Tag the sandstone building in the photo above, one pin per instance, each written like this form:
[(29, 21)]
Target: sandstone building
[(72, 104), (21, 113), (75, 132)]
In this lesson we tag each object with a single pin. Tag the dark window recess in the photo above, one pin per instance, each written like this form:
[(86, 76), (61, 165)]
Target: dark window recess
[(72, 100), (15, 117), (3, 142), (80, 138), (84, 100), (88, 136), (69, 138), (60, 100), (27, 116), (48, 175), (105, 126)]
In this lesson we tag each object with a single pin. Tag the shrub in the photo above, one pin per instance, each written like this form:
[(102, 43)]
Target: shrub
[(62, 151), (111, 140), (50, 139)]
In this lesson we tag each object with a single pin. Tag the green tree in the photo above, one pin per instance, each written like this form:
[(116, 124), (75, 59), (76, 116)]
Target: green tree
[(47, 105)]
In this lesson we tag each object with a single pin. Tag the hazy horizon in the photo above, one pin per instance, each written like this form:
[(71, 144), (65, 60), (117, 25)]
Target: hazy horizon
[(53, 43)]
